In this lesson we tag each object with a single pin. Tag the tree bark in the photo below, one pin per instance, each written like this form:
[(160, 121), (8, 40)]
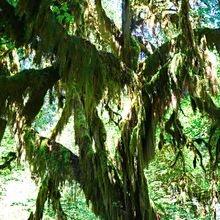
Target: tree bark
[(126, 32)]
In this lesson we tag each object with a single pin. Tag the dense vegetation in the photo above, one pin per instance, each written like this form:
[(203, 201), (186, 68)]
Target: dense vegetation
[(141, 82)]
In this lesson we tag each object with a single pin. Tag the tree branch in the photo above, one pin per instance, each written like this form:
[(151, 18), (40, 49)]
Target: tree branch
[(126, 31), (48, 157), (69, 50), (54, 164), (10, 86), (13, 88), (161, 56), (212, 37)]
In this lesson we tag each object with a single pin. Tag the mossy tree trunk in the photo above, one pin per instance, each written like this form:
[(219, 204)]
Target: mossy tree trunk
[(115, 194)]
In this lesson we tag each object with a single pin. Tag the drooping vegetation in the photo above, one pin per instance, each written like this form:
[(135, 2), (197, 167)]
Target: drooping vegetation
[(156, 62)]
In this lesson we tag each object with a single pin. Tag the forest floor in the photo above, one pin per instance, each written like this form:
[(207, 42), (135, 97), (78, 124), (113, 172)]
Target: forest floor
[(18, 193)]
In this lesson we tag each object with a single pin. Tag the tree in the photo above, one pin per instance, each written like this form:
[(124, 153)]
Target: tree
[(85, 60)]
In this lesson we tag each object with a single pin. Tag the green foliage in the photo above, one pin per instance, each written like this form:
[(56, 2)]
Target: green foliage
[(179, 186), (73, 200), (13, 2), (75, 205), (179, 191), (62, 13), (209, 13)]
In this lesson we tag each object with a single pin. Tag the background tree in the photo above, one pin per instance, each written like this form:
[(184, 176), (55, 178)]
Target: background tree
[(157, 58)]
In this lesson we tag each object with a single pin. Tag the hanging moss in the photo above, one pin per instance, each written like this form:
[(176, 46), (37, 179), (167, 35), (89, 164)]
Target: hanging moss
[(78, 60), (53, 165), (135, 52), (97, 171), (133, 147), (41, 199), (48, 158), (89, 76)]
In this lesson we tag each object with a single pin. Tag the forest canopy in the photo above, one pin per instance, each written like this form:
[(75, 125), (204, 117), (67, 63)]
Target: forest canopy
[(139, 64)]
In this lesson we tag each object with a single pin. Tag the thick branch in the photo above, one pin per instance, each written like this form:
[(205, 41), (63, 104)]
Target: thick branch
[(161, 56), (106, 188), (126, 31), (10, 86), (50, 158), (13, 88), (69, 50)]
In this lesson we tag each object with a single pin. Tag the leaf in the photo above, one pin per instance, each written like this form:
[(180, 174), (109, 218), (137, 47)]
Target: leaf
[(66, 14), (207, 9), (60, 17), (200, 12), (55, 9), (69, 18), (64, 7)]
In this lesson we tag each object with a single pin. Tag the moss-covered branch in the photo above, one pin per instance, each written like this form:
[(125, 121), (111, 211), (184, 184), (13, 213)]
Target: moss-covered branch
[(33, 82), (135, 149), (102, 184), (162, 54), (47, 157), (31, 78), (53, 164), (126, 32)]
